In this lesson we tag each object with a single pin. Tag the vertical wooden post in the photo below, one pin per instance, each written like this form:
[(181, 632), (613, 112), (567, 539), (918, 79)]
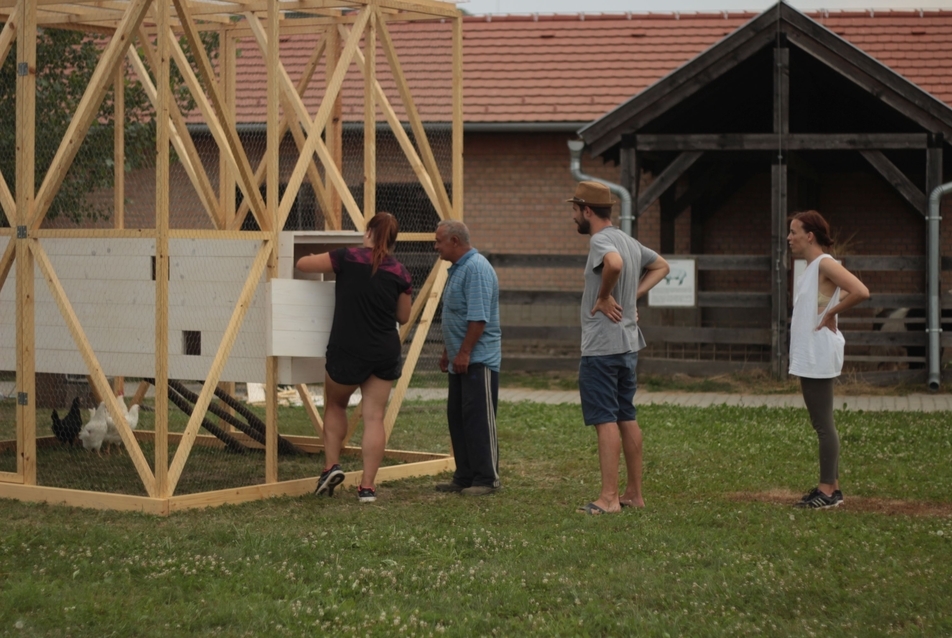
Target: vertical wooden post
[(778, 199), (333, 131), (162, 158), (26, 188), (273, 60), (226, 177), (458, 117), (630, 175), (119, 173), (370, 119)]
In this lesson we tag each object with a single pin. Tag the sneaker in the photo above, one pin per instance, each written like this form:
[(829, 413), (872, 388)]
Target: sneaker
[(817, 500), (329, 480), (478, 490), (449, 487), (366, 494)]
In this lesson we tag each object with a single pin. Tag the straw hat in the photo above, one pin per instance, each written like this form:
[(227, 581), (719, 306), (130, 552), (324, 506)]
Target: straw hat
[(592, 194)]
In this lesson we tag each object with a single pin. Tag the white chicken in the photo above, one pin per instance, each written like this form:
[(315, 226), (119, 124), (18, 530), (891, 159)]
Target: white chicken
[(132, 418), (94, 431)]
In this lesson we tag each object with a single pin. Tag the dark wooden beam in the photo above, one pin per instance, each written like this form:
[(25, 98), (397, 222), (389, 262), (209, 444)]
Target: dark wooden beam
[(876, 78), (897, 179), (630, 175), (683, 83), (790, 142), (779, 210), (668, 176)]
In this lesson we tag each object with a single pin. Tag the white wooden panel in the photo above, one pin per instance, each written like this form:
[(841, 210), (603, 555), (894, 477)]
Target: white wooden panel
[(219, 269), (137, 317), (206, 293), (98, 246), (302, 318), (102, 267), (246, 345), (208, 248), (303, 344), (215, 319), (312, 303)]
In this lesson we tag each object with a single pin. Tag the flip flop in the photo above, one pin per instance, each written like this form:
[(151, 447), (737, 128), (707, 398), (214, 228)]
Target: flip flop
[(592, 509)]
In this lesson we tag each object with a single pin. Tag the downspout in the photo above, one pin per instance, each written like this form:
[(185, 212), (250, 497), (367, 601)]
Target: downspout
[(575, 168), (933, 326)]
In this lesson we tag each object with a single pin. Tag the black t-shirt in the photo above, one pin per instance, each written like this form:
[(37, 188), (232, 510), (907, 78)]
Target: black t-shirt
[(365, 311)]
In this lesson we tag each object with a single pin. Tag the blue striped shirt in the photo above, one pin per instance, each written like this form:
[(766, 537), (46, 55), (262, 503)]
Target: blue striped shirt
[(472, 294)]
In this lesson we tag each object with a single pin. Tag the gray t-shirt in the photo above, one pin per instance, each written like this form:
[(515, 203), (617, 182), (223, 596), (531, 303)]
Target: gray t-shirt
[(600, 335)]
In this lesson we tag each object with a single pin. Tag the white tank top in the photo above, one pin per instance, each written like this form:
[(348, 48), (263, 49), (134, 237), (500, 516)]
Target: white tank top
[(815, 354)]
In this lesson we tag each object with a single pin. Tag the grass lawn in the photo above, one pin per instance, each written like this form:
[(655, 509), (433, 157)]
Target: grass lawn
[(717, 552)]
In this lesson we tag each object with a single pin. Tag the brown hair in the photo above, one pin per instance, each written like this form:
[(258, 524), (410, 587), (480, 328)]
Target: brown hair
[(383, 229), (604, 212), (813, 222)]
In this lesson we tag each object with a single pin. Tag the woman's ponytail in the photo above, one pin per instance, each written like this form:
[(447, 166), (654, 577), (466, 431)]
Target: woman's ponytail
[(383, 229)]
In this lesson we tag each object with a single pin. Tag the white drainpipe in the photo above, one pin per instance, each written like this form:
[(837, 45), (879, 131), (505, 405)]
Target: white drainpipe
[(575, 168), (933, 325)]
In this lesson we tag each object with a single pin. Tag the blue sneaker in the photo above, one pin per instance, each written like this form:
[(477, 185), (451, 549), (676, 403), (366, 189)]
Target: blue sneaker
[(329, 480)]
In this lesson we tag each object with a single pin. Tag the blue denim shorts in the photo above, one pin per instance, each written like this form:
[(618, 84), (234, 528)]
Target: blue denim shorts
[(607, 386)]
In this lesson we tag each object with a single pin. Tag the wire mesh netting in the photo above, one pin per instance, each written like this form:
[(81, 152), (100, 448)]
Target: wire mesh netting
[(95, 296)]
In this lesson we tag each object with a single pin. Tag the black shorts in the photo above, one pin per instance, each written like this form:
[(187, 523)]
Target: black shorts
[(348, 370)]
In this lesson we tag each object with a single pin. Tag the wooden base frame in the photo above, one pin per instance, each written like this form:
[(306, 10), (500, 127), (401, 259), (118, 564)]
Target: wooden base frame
[(415, 464)]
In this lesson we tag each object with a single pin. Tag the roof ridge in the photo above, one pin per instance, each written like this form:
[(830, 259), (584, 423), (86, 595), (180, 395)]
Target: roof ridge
[(680, 15)]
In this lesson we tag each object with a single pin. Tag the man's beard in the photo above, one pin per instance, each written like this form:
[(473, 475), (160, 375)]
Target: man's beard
[(583, 227)]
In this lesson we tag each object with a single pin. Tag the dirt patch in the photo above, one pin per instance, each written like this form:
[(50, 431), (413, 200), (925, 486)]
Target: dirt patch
[(852, 503)]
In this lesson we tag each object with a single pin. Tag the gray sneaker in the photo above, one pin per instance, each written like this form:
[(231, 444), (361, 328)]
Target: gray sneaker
[(817, 500), (478, 490), (449, 487)]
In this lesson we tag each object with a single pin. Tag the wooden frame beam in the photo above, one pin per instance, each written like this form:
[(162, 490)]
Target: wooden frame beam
[(96, 374), (789, 141), (225, 119), (314, 144), (218, 364), (87, 109), (665, 179), (180, 137), (413, 115), (897, 179)]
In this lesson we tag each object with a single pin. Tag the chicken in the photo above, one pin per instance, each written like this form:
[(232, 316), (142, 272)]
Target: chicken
[(94, 432), (132, 418), (112, 434), (68, 429)]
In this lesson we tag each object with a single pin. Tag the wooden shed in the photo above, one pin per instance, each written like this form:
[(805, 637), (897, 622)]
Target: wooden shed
[(779, 116)]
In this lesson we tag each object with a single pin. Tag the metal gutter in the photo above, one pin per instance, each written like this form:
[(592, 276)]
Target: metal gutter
[(575, 168), (933, 325)]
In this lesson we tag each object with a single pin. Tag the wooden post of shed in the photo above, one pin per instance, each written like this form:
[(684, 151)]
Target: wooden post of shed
[(778, 199), (630, 175)]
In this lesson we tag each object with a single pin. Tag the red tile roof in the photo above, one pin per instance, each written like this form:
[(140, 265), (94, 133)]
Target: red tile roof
[(575, 68)]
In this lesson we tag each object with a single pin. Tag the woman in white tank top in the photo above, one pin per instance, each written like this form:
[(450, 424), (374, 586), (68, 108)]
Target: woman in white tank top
[(824, 290)]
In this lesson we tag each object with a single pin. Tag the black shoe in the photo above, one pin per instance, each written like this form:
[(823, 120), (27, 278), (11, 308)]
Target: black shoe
[(366, 494), (817, 500), (450, 487), (329, 480)]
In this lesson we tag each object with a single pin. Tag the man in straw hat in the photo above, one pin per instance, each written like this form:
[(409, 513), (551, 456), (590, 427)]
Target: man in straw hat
[(611, 340)]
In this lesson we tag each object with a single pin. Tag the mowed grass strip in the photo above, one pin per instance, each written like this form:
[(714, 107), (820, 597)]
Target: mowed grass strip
[(717, 552)]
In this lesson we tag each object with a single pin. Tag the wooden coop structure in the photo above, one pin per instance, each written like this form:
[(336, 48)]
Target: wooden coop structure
[(93, 301)]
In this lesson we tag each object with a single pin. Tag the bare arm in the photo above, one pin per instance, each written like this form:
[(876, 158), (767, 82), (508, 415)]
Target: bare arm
[(315, 263), (655, 272), (856, 291), (612, 265), (403, 308)]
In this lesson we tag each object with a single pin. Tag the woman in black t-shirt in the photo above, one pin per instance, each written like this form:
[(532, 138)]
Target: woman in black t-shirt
[(372, 294)]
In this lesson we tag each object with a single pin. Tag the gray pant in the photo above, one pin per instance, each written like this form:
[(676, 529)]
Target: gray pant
[(818, 395)]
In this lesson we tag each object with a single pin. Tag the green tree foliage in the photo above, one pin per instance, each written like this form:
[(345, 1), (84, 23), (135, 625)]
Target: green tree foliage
[(65, 63)]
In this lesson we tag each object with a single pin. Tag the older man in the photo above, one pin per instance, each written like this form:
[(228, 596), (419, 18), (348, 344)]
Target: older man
[(471, 354), (611, 340)]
